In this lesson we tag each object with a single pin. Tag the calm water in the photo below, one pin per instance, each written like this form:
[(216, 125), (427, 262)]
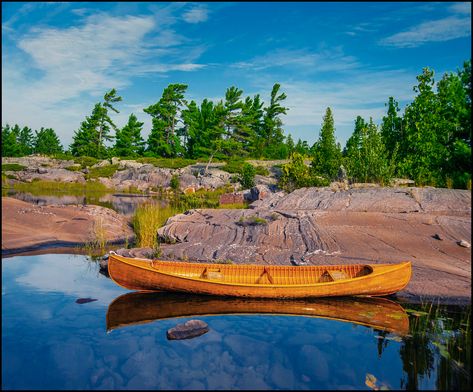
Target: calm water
[(49, 341)]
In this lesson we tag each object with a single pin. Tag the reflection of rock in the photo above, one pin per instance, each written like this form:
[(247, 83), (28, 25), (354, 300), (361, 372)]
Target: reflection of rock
[(190, 329)]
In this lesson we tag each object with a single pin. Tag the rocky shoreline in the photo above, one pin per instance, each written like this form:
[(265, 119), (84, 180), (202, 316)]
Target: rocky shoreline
[(430, 227), (331, 225)]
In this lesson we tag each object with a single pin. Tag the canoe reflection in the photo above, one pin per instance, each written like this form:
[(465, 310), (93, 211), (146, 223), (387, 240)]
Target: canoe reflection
[(144, 307)]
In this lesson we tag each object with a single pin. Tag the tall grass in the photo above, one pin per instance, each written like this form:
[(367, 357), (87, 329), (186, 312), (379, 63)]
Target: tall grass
[(56, 187), (148, 218)]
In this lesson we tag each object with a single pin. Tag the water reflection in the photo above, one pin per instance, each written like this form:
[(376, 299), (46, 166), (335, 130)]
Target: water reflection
[(143, 307), (125, 204), (54, 337)]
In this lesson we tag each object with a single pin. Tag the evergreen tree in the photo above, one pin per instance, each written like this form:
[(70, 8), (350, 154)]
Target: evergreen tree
[(89, 139), (204, 128), (86, 138), (391, 127), (272, 133), (352, 151), (290, 144), (25, 140), (423, 153), (47, 142), (128, 140), (327, 152), (163, 139), (10, 146), (252, 118)]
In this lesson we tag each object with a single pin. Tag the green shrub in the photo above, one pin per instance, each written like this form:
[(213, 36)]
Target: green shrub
[(103, 171), (233, 166), (175, 183), (296, 174), (12, 167), (85, 161), (247, 176), (170, 163), (73, 168), (262, 170), (252, 220)]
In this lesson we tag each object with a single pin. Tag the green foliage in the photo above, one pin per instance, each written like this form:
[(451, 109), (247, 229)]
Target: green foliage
[(47, 142), (247, 176), (102, 171), (10, 146), (170, 163), (327, 152), (233, 166), (175, 182), (85, 161), (270, 137), (128, 140), (252, 220), (12, 167), (147, 219), (163, 140), (296, 174), (90, 138), (261, 170), (16, 141), (73, 168), (366, 158), (55, 188)]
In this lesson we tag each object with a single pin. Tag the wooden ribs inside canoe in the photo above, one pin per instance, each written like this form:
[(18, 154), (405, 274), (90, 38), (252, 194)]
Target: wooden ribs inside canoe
[(256, 281)]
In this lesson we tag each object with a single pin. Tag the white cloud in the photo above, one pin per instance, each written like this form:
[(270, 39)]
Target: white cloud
[(60, 72), (434, 31), (451, 27), (196, 15), (461, 8), (322, 61)]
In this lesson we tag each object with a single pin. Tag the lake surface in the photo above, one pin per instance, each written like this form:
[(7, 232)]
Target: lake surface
[(114, 339)]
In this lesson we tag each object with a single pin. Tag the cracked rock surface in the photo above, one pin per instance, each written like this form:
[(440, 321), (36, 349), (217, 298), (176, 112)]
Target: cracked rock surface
[(319, 226)]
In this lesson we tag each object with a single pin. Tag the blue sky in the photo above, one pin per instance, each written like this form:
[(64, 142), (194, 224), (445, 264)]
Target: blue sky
[(58, 59)]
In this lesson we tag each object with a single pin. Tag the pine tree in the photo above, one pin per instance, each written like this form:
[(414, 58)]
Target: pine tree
[(10, 146), (47, 142), (163, 139), (391, 127), (128, 140), (272, 133), (327, 152), (95, 130)]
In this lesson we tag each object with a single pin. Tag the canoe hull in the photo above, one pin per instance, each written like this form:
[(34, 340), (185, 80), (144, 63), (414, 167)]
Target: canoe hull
[(144, 275)]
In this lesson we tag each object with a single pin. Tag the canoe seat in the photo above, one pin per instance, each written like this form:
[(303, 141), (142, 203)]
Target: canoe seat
[(211, 273), (332, 275)]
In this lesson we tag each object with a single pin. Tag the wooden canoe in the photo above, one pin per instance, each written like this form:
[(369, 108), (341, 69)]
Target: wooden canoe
[(259, 281), (144, 307)]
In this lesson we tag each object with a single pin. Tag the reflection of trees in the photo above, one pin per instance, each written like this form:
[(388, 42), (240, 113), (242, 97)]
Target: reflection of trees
[(439, 342), (382, 341), (416, 354)]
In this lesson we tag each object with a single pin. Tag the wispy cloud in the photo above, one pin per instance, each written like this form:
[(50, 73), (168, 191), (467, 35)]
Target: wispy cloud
[(451, 27), (59, 72), (196, 15), (324, 60)]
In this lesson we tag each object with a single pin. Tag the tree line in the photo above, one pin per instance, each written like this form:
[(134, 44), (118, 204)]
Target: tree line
[(429, 142)]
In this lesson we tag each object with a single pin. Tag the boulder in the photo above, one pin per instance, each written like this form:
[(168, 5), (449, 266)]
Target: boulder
[(190, 329)]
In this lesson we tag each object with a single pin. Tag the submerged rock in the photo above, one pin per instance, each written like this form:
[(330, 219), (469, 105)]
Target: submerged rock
[(190, 329), (85, 300)]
